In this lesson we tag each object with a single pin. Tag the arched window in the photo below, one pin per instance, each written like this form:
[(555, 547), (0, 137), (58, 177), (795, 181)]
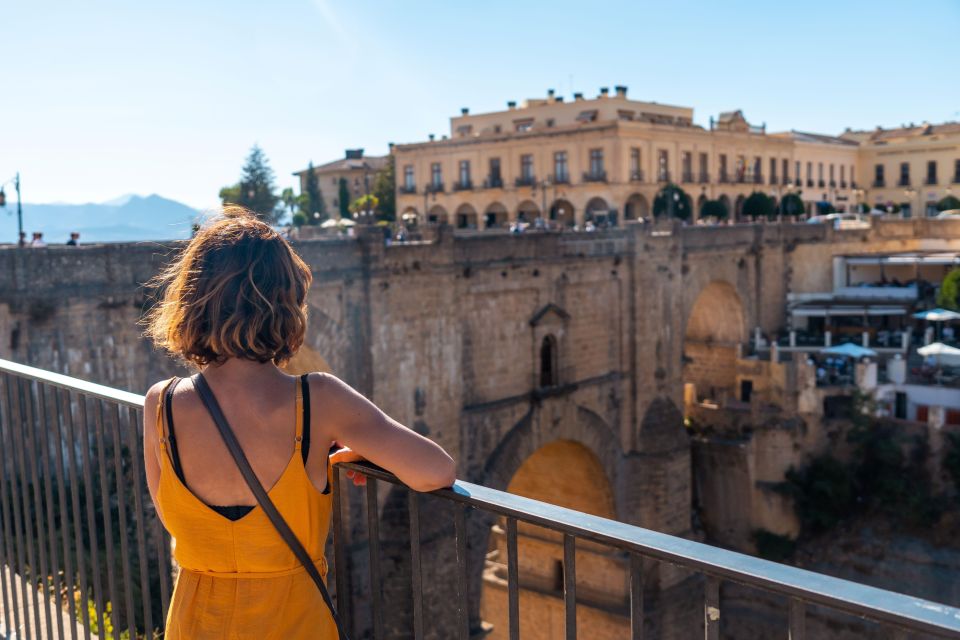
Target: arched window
[(548, 361)]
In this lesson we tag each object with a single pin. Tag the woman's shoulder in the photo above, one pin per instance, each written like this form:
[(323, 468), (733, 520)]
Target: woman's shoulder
[(331, 390)]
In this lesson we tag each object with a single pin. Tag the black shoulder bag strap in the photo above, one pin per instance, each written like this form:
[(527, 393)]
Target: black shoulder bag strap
[(229, 439)]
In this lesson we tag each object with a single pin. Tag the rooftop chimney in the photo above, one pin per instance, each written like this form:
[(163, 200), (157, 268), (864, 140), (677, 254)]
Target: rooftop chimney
[(354, 154), (558, 99), (390, 145), (578, 96), (512, 104), (550, 93), (431, 137), (604, 91), (621, 91), (464, 111)]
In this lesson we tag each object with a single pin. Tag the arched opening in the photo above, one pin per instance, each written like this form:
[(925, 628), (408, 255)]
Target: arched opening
[(715, 329), (548, 362), (702, 200), (528, 211), (466, 217), (561, 213), (598, 212), (437, 215), (495, 216), (567, 474), (738, 208), (636, 208)]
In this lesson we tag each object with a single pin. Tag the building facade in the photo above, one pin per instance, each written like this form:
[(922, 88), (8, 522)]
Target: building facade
[(913, 167), (605, 159), (357, 169)]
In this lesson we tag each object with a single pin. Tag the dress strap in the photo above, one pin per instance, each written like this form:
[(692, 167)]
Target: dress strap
[(164, 413), (298, 437)]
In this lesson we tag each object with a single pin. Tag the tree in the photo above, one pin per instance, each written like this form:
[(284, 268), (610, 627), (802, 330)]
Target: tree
[(256, 190), (311, 200), (759, 205), (290, 201), (672, 200), (299, 219), (344, 197), (365, 203), (791, 205), (385, 190), (948, 202), (714, 209), (949, 295), (825, 208)]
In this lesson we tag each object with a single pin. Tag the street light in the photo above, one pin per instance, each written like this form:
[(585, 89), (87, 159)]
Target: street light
[(3, 203)]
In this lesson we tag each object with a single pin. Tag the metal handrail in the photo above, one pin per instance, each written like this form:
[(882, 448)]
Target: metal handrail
[(801, 586), (915, 614)]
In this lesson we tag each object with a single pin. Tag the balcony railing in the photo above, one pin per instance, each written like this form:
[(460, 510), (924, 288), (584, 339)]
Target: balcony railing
[(594, 176), (723, 178), (879, 183), (785, 180), (704, 178), (493, 182), (636, 176), (809, 182), (774, 179), (72, 479), (833, 184), (931, 180), (903, 182), (686, 177), (758, 178), (956, 179), (525, 181), (407, 188), (843, 184), (463, 185), (821, 183), (434, 187)]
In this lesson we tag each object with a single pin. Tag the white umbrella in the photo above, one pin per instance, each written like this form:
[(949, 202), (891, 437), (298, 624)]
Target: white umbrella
[(944, 354), (329, 224), (937, 315), (346, 222)]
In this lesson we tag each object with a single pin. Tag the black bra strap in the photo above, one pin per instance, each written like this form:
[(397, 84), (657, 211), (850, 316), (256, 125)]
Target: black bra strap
[(171, 437), (305, 436), (229, 439)]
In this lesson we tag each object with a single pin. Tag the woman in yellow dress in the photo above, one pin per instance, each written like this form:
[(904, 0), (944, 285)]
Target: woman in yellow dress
[(234, 306)]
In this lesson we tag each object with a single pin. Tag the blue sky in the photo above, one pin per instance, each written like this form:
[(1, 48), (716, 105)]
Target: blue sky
[(102, 98)]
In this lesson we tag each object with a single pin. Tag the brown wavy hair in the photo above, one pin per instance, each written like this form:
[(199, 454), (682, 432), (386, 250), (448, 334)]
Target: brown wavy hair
[(238, 290)]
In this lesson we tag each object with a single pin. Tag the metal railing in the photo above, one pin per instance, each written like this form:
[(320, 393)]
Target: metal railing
[(72, 448), (82, 543)]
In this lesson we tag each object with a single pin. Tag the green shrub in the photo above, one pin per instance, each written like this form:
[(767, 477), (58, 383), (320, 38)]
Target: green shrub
[(773, 546)]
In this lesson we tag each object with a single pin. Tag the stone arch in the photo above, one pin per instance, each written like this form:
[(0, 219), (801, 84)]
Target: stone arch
[(636, 208), (466, 217), (495, 215), (438, 215), (562, 213), (409, 215), (715, 329), (527, 211), (597, 211)]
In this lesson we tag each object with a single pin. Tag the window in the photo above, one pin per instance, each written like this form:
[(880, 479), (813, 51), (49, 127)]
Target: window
[(687, 162), (810, 174), (833, 181), (587, 116), (853, 180), (932, 172), (843, 175), (436, 176), (663, 171), (625, 115), (878, 179), (550, 122), (956, 170), (526, 166), (635, 164), (704, 168), (820, 173), (408, 183), (523, 125), (464, 173), (773, 170), (723, 167), (496, 179), (757, 168), (786, 171), (548, 362), (596, 162), (904, 174), (560, 169), (796, 172)]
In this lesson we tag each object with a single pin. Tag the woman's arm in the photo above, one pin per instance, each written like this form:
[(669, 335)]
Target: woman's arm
[(151, 444), (354, 421)]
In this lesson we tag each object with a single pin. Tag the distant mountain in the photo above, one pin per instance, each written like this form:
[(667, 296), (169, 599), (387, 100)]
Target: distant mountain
[(124, 219)]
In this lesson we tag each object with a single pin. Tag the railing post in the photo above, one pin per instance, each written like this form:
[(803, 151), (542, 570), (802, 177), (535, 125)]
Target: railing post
[(413, 508), (711, 609), (513, 580), (798, 620), (570, 585), (463, 606), (373, 533), (636, 597), (340, 553)]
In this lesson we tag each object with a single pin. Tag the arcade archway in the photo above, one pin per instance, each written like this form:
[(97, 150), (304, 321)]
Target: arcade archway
[(715, 330)]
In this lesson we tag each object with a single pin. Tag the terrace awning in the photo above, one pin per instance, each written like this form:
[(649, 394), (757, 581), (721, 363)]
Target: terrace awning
[(828, 310)]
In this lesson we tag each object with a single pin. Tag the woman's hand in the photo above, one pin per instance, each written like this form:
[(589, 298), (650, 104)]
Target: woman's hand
[(346, 454)]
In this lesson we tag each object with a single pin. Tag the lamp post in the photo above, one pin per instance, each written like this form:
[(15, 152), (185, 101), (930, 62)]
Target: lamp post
[(3, 203)]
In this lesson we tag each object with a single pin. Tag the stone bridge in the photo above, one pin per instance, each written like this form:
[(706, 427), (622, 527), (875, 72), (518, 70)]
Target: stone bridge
[(549, 364)]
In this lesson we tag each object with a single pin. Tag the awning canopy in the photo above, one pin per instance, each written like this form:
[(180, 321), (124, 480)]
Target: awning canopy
[(906, 259), (942, 353), (827, 310), (937, 315)]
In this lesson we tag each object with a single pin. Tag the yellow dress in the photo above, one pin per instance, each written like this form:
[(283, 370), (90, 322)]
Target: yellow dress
[(238, 579)]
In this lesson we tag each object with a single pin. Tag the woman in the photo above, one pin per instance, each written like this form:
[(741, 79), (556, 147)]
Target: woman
[(234, 305)]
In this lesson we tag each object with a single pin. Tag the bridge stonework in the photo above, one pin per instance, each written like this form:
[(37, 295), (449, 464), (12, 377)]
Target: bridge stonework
[(448, 338)]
